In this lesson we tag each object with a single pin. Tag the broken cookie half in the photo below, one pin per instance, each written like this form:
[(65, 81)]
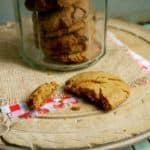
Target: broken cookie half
[(43, 92), (104, 89)]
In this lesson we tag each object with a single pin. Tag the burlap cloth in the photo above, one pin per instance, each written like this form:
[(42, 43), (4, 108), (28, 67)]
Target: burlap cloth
[(63, 129)]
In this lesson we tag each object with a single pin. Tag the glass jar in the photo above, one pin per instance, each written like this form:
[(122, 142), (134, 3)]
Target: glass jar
[(61, 35)]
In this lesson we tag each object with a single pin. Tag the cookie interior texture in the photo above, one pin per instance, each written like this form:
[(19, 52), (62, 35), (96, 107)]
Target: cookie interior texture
[(103, 89), (38, 97)]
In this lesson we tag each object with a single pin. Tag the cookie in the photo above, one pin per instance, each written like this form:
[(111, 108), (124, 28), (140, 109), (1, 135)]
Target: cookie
[(90, 53), (64, 31), (66, 3), (38, 97), (41, 5), (61, 49), (104, 89), (48, 5), (64, 21), (94, 76), (68, 44)]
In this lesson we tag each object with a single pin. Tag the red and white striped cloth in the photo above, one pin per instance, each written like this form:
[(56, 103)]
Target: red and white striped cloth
[(21, 109)]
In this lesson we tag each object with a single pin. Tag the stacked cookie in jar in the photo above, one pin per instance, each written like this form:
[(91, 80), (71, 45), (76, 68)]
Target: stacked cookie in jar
[(65, 30)]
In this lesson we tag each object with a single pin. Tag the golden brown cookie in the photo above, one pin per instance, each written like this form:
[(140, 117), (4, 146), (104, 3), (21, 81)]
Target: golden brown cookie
[(104, 89), (38, 97), (68, 44), (94, 76), (61, 49), (90, 53), (41, 5), (64, 21), (48, 5), (66, 3), (63, 31)]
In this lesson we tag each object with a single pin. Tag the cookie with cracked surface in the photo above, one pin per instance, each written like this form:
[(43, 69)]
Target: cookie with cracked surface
[(91, 52), (48, 5), (104, 89), (66, 3), (41, 5), (38, 97), (68, 44), (64, 21)]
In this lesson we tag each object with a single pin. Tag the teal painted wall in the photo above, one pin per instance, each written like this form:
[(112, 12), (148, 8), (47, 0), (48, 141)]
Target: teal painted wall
[(129, 9)]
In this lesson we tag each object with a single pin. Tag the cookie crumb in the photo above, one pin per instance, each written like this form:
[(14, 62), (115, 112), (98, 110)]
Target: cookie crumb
[(75, 108)]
